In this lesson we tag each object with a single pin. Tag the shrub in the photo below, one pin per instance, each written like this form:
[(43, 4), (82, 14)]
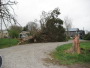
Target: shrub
[(87, 36), (14, 31)]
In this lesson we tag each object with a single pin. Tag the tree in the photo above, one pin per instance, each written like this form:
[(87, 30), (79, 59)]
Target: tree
[(68, 25), (25, 28), (5, 15), (44, 17), (14, 31), (52, 26), (87, 36), (32, 27)]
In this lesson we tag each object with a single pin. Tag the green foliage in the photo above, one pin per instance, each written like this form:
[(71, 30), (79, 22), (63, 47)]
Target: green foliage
[(69, 58), (55, 30), (51, 27), (14, 31), (87, 36), (5, 42)]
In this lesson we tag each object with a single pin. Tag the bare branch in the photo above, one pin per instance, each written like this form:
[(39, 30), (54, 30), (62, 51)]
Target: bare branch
[(5, 15)]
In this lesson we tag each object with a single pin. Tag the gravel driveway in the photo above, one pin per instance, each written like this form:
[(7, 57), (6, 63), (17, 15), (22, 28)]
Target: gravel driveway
[(29, 55)]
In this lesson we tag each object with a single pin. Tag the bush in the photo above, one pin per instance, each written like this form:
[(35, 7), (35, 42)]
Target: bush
[(87, 36), (14, 31)]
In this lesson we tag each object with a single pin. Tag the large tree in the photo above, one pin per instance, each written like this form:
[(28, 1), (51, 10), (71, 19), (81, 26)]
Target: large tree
[(51, 25), (54, 27)]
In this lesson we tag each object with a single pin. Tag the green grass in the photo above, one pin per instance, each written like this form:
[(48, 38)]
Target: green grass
[(69, 58), (5, 42)]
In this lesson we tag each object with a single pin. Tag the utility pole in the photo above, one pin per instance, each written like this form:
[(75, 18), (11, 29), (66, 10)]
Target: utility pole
[(83, 28)]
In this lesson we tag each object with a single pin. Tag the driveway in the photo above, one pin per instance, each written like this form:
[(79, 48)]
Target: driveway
[(29, 55)]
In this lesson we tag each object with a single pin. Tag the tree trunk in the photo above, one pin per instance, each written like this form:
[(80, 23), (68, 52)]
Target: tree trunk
[(76, 44)]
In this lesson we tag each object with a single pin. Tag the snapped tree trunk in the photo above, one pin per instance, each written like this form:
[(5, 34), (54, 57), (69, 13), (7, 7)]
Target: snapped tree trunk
[(76, 45)]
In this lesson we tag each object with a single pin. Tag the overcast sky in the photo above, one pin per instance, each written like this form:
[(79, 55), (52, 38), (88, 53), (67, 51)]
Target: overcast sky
[(77, 10)]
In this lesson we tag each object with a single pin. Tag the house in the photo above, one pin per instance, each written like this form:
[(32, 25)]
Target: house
[(4, 34), (24, 34), (73, 31)]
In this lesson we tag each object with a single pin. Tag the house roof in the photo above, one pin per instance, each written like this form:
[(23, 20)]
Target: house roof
[(73, 29), (24, 32)]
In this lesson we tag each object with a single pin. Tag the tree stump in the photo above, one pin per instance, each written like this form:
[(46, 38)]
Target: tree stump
[(76, 43)]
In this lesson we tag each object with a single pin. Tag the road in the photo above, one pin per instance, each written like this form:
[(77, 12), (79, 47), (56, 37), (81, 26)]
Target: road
[(29, 55)]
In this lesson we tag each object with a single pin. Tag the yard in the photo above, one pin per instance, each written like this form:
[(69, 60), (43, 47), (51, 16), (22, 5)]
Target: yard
[(5, 42), (62, 57)]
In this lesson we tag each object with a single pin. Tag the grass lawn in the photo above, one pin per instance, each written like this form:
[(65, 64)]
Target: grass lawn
[(62, 57), (5, 42)]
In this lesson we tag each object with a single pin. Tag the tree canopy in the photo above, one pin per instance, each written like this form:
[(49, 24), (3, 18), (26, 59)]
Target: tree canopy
[(51, 26)]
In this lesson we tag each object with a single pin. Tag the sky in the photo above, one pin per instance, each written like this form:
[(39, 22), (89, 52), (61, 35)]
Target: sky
[(77, 10)]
